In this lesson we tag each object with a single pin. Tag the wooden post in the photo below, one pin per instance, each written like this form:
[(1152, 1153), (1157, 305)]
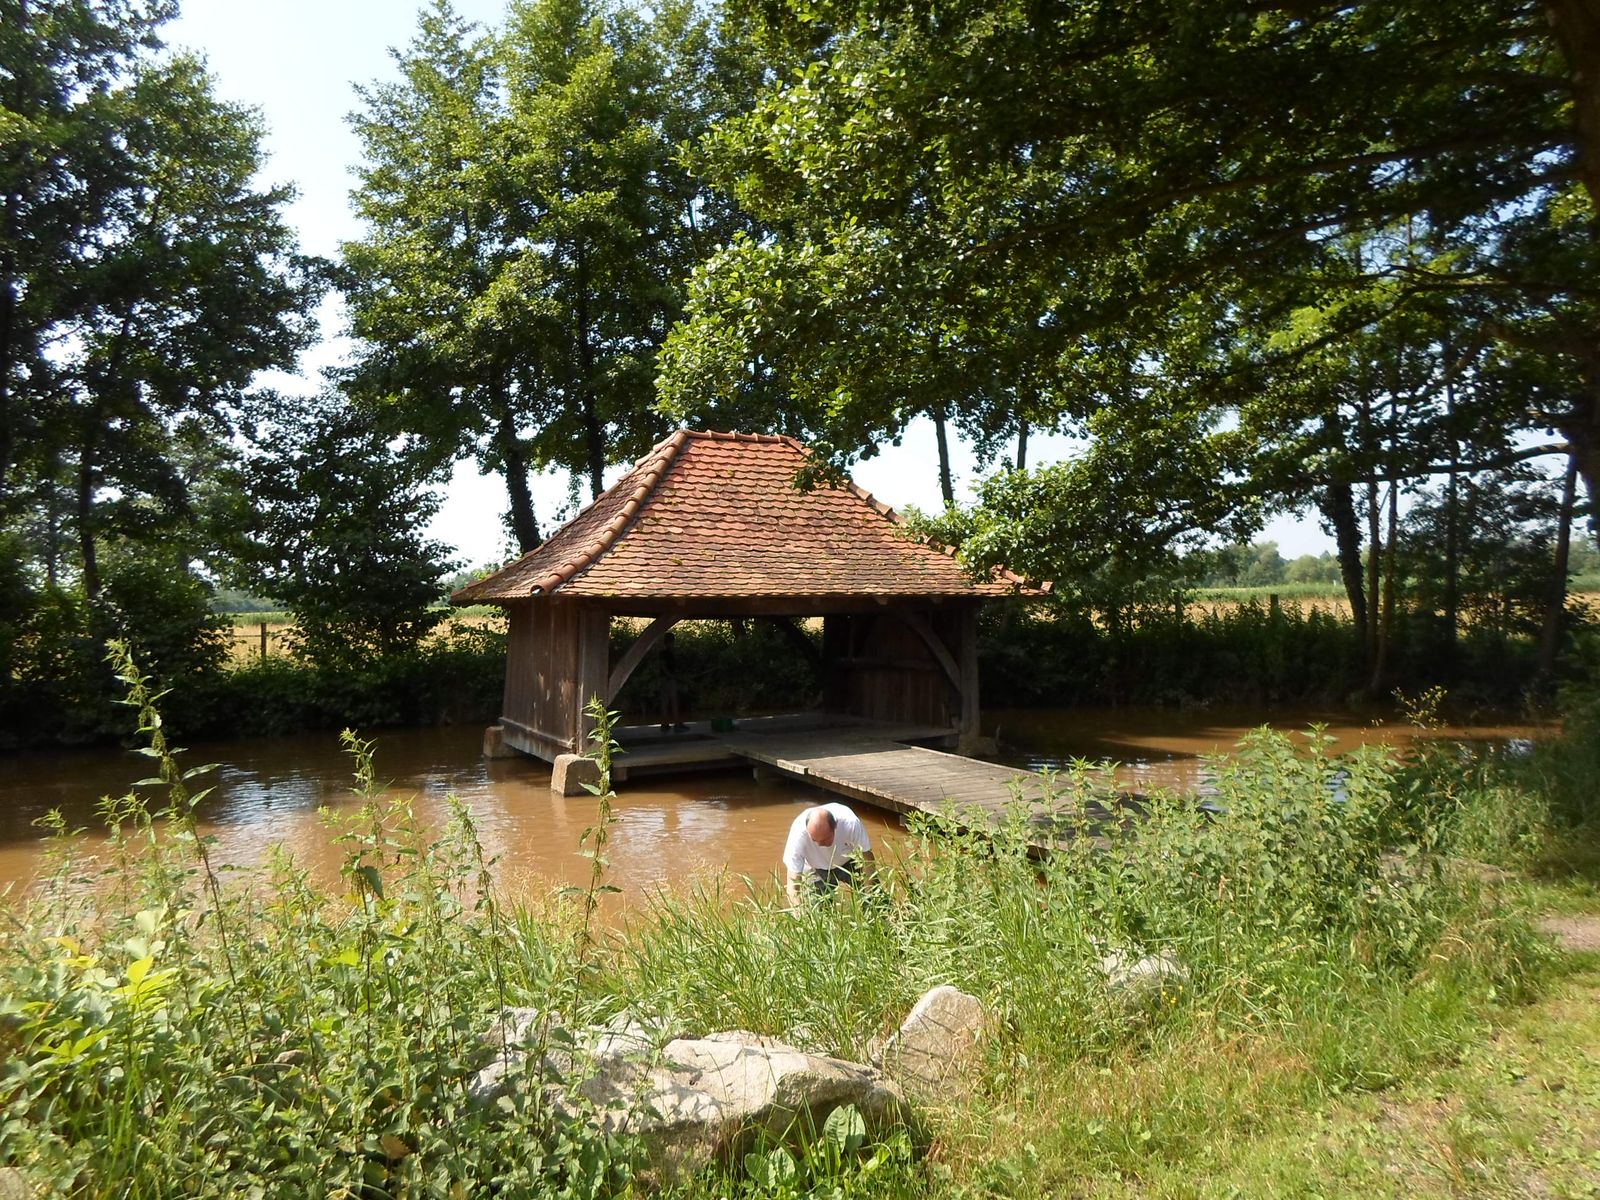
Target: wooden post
[(594, 666), (263, 641), (967, 729), (835, 645)]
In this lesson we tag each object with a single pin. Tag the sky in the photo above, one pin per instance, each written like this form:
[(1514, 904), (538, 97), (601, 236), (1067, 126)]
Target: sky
[(298, 63)]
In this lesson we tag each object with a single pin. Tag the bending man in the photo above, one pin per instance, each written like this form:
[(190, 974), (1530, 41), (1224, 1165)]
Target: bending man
[(828, 845)]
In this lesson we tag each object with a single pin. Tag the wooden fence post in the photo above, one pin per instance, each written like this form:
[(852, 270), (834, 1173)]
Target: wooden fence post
[(263, 641)]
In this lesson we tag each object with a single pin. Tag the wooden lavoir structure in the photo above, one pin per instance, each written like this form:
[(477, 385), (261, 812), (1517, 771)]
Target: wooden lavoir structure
[(711, 525)]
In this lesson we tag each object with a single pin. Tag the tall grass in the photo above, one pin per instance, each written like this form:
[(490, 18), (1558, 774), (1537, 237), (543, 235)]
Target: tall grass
[(173, 1029)]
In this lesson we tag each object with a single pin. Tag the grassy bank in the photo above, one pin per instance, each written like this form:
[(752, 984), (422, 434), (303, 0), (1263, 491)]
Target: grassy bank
[(176, 1029)]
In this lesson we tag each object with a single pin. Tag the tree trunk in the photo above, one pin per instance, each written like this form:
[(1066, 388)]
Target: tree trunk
[(1577, 32), (946, 487), (1452, 526), (9, 230), (1022, 446), (1582, 431), (524, 525), (594, 438), (1380, 660), (1577, 29), (1556, 608), (1339, 507), (52, 521), (8, 320), (85, 514)]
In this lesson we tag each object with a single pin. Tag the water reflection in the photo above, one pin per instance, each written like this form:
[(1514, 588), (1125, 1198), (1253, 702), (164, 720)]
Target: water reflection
[(1162, 749)]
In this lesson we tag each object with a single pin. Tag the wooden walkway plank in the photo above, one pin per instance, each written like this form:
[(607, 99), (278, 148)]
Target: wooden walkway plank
[(870, 762), (893, 775)]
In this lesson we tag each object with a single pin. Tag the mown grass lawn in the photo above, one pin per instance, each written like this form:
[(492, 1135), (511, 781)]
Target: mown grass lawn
[(1516, 1112)]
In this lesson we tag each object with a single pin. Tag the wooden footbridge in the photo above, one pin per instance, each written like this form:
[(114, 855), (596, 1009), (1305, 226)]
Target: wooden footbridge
[(874, 762)]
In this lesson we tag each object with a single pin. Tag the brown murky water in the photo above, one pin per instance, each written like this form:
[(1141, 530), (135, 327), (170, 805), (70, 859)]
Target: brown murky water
[(668, 832), (1164, 749)]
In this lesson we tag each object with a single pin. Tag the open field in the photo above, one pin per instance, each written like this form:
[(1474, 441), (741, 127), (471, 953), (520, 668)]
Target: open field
[(257, 635)]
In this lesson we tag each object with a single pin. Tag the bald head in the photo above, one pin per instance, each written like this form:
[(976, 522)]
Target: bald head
[(820, 826)]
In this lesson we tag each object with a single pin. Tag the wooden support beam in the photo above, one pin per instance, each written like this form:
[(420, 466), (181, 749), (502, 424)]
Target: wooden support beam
[(924, 629), (635, 654), (968, 726)]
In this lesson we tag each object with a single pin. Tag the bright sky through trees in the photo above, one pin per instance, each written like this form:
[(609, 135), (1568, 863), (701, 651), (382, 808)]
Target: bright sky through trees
[(298, 62)]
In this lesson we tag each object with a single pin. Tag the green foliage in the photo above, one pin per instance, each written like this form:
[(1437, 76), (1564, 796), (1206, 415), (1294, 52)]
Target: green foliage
[(329, 1056), (1238, 651), (145, 278), (725, 668), (454, 679), (529, 225), (1240, 306), (164, 614), (56, 687), (333, 528), (1258, 565)]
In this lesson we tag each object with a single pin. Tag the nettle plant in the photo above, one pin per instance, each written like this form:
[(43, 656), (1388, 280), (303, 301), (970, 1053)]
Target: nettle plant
[(168, 1031)]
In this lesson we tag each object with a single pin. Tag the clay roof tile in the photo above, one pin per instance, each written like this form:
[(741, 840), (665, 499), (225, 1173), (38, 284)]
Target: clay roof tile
[(717, 515)]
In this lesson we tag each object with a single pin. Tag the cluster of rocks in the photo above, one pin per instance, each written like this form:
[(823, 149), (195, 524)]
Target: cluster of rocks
[(695, 1100), (692, 1100)]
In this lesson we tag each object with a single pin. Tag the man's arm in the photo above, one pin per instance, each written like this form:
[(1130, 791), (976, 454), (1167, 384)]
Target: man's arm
[(792, 884)]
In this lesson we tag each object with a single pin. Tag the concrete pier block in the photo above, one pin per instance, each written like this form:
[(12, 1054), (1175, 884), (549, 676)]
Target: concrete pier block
[(494, 743), (571, 772)]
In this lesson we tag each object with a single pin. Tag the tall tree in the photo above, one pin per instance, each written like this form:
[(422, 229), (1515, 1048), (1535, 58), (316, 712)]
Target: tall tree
[(331, 525), (531, 221), (1147, 222), (144, 277), (63, 66)]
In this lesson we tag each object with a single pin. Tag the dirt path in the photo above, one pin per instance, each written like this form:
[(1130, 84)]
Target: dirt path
[(1577, 932)]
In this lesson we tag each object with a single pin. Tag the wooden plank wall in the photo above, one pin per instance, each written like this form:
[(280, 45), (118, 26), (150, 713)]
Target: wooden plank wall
[(879, 668), (541, 669)]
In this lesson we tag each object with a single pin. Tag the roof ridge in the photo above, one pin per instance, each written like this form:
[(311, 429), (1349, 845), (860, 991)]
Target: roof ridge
[(665, 452), (734, 435)]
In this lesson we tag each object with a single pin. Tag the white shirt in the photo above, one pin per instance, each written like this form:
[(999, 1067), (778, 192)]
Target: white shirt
[(801, 854)]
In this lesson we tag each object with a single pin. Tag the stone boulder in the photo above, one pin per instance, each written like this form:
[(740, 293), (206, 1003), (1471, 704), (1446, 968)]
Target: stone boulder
[(935, 1054), (691, 1101), (566, 1057), (707, 1097), (1142, 981)]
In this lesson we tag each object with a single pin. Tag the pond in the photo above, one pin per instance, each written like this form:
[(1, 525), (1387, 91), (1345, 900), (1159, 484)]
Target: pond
[(668, 832)]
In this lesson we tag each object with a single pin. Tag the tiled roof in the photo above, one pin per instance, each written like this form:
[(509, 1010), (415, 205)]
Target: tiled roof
[(708, 515)]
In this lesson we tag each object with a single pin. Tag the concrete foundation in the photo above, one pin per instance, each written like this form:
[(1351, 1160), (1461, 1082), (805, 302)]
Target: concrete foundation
[(494, 743), (571, 772)]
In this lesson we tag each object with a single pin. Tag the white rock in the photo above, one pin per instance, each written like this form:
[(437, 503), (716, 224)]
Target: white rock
[(934, 1054), (1145, 979), (693, 1100)]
